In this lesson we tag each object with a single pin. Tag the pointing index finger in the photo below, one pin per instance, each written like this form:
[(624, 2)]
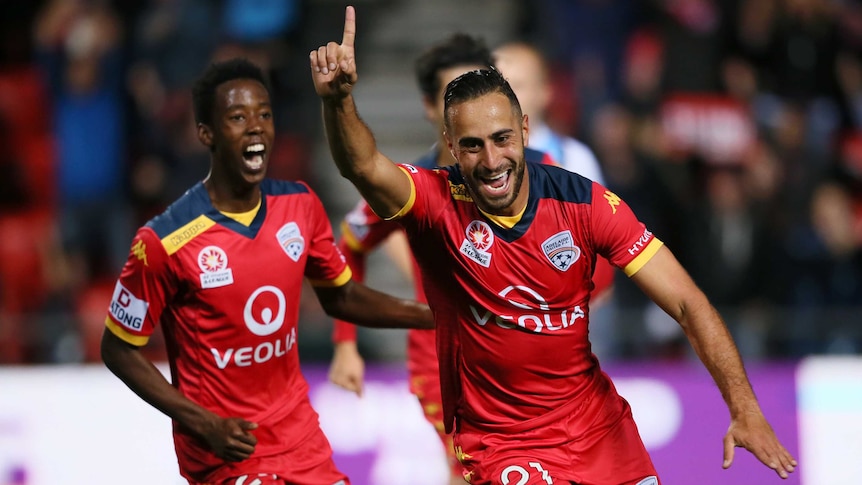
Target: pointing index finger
[(349, 27)]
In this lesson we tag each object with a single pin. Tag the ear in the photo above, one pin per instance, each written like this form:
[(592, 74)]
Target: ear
[(449, 145), (525, 129), (205, 135)]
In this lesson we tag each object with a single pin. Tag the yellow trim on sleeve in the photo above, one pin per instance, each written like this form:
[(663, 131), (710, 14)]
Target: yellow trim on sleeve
[(641, 259), (350, 239), (340, 280), (136, 340), (409, 205), (179, 238)]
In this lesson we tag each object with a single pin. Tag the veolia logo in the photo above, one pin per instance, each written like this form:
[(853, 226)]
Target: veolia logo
[(270, 321)]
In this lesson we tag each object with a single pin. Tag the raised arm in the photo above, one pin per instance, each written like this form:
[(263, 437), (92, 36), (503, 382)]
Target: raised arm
[(333, 70), (667, 283)]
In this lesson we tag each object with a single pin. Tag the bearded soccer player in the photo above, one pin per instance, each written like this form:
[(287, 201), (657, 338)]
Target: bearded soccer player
[(506, 249), (221, 271), (362, 232)]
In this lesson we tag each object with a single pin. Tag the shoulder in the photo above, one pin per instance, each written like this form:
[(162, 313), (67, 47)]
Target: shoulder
[(554, 182), (284, 187), (537, 156), (186, 212)]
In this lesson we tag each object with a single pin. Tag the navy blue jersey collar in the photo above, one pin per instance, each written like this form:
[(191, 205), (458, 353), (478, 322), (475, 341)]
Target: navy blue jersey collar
[(202, 197)]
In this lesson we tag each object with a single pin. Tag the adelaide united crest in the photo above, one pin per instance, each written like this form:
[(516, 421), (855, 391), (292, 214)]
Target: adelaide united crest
[(561, 251)]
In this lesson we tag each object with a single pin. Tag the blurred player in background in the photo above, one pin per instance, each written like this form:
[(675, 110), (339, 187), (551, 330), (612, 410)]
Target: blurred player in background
[(362, 231), (506, 248), (221, 270), (525, 69)]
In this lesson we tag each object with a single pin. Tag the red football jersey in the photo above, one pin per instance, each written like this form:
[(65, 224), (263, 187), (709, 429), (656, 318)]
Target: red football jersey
[(512, 305), (227, 298), (361, 232)]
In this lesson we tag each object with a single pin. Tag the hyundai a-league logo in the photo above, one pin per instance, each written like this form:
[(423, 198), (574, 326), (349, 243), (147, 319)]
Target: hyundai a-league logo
[(212, 260), (480, 235), (479, 240), (561, 251)]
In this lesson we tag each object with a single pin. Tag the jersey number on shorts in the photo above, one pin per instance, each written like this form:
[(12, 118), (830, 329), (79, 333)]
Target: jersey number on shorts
[(523, 475)]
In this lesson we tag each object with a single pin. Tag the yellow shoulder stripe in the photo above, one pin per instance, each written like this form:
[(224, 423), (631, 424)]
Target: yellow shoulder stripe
[(340, 280), (179, 238), (136, 340), (641, 259), (409, 205)]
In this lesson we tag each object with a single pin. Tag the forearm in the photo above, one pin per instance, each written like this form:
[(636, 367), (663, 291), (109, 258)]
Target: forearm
[(364, 306), (714, 346), (145, 380), (351, 142)]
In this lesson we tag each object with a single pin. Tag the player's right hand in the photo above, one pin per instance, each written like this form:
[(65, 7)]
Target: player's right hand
[(347, 369), (230, 438), (333, 66)]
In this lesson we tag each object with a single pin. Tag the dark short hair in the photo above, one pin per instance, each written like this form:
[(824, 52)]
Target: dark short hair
[(204, 89), (478, 83), (457, 50)]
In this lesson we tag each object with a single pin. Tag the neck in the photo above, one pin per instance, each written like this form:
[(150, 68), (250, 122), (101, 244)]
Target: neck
[(231, 194)]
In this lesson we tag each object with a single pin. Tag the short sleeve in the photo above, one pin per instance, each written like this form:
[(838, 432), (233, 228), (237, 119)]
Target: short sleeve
[(618, 234), (326, 265), (145, 284)]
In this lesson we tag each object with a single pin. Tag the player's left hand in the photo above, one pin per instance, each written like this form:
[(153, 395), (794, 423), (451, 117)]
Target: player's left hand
[(752, 432), (347, 369), (333, 66)]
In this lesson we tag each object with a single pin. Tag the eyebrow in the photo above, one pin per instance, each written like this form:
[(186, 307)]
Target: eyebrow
[(473, 139)]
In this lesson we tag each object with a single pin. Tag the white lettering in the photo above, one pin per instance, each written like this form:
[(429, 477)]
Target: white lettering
[(639, 244), (242, 357), (263, 352), (533, 322), (480, 320)]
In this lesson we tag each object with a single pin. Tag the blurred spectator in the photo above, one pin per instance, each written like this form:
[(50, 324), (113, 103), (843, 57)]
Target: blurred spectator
[(826, 290), (79, 49)]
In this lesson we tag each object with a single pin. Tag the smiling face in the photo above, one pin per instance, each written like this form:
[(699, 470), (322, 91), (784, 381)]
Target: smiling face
[(242, 132), (487, 137)]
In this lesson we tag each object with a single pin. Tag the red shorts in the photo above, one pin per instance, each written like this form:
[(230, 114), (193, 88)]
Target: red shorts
[(304, 456), (609, 452), (261, 479)]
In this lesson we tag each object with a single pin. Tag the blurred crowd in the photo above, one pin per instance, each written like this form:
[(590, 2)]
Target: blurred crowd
[(733, 127)]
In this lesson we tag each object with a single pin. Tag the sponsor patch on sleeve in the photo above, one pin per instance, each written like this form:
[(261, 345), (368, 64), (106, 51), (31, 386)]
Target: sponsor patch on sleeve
[(127, 309)]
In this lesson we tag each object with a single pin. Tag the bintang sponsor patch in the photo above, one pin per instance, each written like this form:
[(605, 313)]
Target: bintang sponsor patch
[(561, 251)]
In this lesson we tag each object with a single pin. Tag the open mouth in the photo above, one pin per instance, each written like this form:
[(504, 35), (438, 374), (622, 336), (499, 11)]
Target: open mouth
[(252, 156), (498, 184)]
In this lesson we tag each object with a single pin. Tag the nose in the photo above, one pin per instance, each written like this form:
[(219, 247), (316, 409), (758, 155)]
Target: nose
[(491, 157)]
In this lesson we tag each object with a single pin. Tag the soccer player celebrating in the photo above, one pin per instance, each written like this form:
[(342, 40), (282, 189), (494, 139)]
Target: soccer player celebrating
[(221, 270), (363, 231), (506, 249)]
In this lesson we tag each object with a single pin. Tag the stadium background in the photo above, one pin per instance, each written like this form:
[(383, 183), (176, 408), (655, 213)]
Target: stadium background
[(731, 126)]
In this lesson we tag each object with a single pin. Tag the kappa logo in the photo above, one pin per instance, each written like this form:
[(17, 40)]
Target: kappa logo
[(479, 240), (561, 251), (139, 249), (613, 200), (212, 260), (291, 240)]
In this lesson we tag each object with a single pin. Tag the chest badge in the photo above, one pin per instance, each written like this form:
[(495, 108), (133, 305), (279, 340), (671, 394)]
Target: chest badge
[(561, 251), (291, 241), (212, 261), (478, 242)]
